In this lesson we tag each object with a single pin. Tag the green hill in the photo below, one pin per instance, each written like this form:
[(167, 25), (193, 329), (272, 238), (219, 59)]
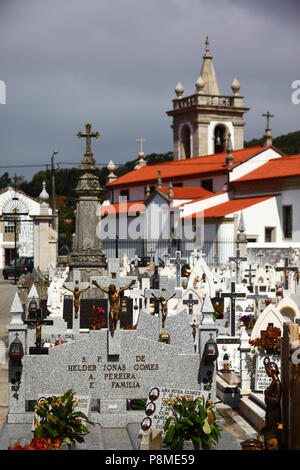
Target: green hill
[(288, 143)]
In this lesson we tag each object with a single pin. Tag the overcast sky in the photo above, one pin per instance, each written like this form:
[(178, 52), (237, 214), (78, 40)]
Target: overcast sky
[(115, 63)]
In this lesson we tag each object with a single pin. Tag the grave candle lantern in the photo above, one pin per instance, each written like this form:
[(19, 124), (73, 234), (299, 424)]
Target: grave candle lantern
[(16, 351), (226, 363), (211, 352), (32, 308)]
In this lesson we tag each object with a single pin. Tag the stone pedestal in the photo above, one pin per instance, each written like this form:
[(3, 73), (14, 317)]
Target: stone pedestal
[(87, 256)]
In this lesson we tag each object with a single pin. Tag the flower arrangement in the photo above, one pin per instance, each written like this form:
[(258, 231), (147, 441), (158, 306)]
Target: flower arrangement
[(269, 341), (97, 320), (192, 419), (57, 343), (248, 320), (38, 444), (58, 419)]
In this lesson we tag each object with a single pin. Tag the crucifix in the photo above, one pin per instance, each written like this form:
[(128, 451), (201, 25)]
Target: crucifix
[(88, 136), (38, 322), (118, 282), (268, 116), (195, 255), (179, 262), (166, 292), (194, 326), (251, 271), (76, 288), (287, 269), (260, 255), (76, 293), (237, 260), (151, 253), (190, 302), (233, 296), (140, 140), (256, 297)]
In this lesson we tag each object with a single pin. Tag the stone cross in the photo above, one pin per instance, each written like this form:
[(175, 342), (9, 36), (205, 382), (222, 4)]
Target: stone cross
[(38, 322), (268, 116), (135, 260), (140, 140), (190, 302), (233, 296), (216, 259), (260, 255), (179, 262), (167, 257), (195, 255), (256, 296), (249, 275), (88, 135), (151, 253), (113, 276), (237, 260), (286, 269)]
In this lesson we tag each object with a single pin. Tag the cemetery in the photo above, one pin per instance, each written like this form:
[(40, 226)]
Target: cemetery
[(151, 358), (130, 345)]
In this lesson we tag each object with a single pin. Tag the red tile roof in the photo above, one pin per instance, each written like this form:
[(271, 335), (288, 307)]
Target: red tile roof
[(229, 207), (123, 207), (186, 192), (177, 169), (287, 166)]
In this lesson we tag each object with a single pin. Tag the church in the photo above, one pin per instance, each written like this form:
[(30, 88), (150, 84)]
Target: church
[(229, 189)]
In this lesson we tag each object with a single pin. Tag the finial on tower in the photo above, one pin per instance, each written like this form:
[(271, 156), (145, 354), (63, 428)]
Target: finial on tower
[(44, 196), (229, 149), (159, 183), (235, 86), (207, 50), (179, 90), (200, 85), (241, 226), (111, 176), (170, 192)]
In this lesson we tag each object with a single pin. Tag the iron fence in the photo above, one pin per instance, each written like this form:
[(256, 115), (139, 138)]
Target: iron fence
[(216, 252)]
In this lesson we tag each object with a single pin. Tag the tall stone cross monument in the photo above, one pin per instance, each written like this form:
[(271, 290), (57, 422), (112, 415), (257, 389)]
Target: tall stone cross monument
[(87, 255)]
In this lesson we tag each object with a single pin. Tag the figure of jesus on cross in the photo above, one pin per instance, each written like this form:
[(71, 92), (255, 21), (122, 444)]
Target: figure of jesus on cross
[(114, 299)]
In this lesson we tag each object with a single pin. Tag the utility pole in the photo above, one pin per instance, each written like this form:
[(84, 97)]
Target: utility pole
[(54, 225)]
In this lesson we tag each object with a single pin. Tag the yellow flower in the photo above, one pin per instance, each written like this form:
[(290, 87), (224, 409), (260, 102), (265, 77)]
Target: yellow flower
[(280, 426)]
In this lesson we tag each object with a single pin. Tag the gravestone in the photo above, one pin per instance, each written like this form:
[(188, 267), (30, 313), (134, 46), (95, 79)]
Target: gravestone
[(262, 381), (85, 365)]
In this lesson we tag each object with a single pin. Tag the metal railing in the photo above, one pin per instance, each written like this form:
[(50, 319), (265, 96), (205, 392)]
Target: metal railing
[(216, 252)]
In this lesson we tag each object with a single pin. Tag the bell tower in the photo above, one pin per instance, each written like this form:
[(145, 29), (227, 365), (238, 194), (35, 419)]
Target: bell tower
[(202, 122)]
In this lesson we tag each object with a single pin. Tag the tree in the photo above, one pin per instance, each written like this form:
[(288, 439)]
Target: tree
[(5, 181)]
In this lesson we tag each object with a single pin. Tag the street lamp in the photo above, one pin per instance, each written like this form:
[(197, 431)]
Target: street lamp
[(53, 191)]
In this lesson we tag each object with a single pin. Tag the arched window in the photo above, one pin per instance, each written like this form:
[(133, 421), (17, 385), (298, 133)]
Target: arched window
[(185, 142), (220, 138)]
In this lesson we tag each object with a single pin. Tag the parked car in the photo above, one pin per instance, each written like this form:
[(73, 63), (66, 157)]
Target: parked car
[(146, 260), (23, 266)]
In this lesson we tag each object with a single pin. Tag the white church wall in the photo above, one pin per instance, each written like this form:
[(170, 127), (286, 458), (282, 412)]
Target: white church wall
[(262, 215), (253, 163), (291, 197)]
